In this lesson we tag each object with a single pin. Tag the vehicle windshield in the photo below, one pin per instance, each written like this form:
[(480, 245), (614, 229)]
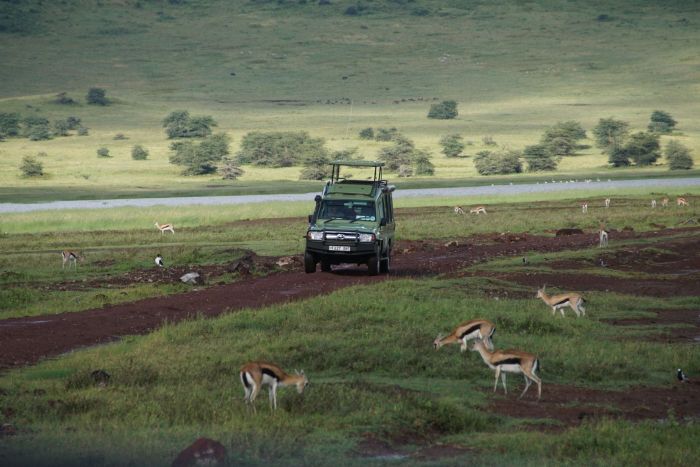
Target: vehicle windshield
[(347, 210)]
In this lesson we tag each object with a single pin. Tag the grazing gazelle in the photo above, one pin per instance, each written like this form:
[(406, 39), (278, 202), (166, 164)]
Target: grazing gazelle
[(511, 361), (165, 227), (458, 210), (607, 202), (682, 202), (584, 207), (664, 202), (477, 210), (653, 203), (573, 300), (254, 375), (159, 261), (473, 329), (70, 257), (602, 236)]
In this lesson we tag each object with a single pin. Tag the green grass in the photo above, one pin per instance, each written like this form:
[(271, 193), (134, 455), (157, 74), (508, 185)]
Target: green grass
[(515, 68), (368, 354)]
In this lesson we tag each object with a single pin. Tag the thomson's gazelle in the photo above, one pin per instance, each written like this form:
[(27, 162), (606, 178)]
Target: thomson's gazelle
[(573, 300), (511, 361), (584, 207), (254, 375), (458, 210), (653, 203), (70, 257), (664, 202), (607, 202), (477, 210), (682, 202), (602, 236), (473, 329), (164, 227)]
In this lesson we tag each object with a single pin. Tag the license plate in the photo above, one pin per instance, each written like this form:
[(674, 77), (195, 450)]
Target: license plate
[(338, 248)]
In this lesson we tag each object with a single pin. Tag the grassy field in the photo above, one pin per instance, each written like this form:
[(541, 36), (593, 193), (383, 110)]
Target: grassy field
[(515, 68)]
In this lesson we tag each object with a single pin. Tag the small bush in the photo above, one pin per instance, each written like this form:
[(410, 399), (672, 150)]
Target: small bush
[(661, 122), (82, 131), (422, 164), (39, 133), (488, 140), (9, 124), (139, 153), (500, 162), (444, 110), (405, 171), (63, 99), (229, 169), (386, 134), (103, 152), (367, 133), (97, 96), (31, 167), (452, 145), (61, 127), (73, 123), (539, 157), (120, 136), (678, 156)]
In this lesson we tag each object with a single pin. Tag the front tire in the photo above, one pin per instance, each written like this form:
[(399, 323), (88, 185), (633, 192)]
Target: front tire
[(385, 263), (309, 263), (373, 265)]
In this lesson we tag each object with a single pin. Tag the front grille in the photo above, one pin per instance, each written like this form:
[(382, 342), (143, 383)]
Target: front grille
[(342, 237)]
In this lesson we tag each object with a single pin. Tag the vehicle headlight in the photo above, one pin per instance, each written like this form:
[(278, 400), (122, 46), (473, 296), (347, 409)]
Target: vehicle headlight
[(314, 235), (366, 238)]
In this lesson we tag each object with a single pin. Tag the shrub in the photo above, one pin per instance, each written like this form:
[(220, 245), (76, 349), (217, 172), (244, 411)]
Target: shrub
[(499, 162), (386, 134), (103, 152), (82, 131), (643, 148), (61, 127), (139, 153), (678, 156), (562, 138), (31, 167), (229, 169), (73, 123), (120, 136), (398, 154), (316, 166), (367, 133), (488, 140), (661, 122), (539, 157), (9, 124), (422, 164), (610, 133), (39, 133), (452, 145), (180, 124), (405, 171), (202, 158), (62, 98), (617, 156), (444, 110), (279, 148), (97, 96)]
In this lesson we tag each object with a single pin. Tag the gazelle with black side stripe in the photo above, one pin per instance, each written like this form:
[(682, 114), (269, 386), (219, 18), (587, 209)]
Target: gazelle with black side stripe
[(510, 361), (255, 375), (474, 329), (560, 301)]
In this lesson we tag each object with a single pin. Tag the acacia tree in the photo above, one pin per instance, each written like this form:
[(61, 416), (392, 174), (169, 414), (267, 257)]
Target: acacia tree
[(610, 133), (445, 110), (643, 148), (179, 124), (200, 158), (498, 162), (97, 96), (562, 138)]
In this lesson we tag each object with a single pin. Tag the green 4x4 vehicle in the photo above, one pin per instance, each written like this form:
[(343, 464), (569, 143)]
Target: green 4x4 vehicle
[(353, 221)]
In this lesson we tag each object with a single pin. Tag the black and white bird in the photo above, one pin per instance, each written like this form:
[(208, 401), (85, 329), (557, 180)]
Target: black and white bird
[(681, 376), (159, 261)]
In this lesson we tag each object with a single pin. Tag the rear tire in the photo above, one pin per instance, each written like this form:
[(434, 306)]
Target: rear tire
[(309, 263), (373, 265), (326, 266)]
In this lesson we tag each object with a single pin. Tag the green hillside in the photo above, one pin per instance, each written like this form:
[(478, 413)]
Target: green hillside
[(514, 67)]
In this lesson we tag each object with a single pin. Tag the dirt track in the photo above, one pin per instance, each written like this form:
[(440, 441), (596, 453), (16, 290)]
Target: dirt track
[(25, 341)]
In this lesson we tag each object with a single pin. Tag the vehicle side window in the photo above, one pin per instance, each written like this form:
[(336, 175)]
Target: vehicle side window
[(389, 209), (381, 210)]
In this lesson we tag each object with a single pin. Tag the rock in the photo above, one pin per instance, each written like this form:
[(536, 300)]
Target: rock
[(191, 278), (563, 232), (204, 451), (288, 262)]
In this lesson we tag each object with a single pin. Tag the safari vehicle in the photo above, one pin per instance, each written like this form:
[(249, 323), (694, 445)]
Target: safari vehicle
[(353, 221)]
